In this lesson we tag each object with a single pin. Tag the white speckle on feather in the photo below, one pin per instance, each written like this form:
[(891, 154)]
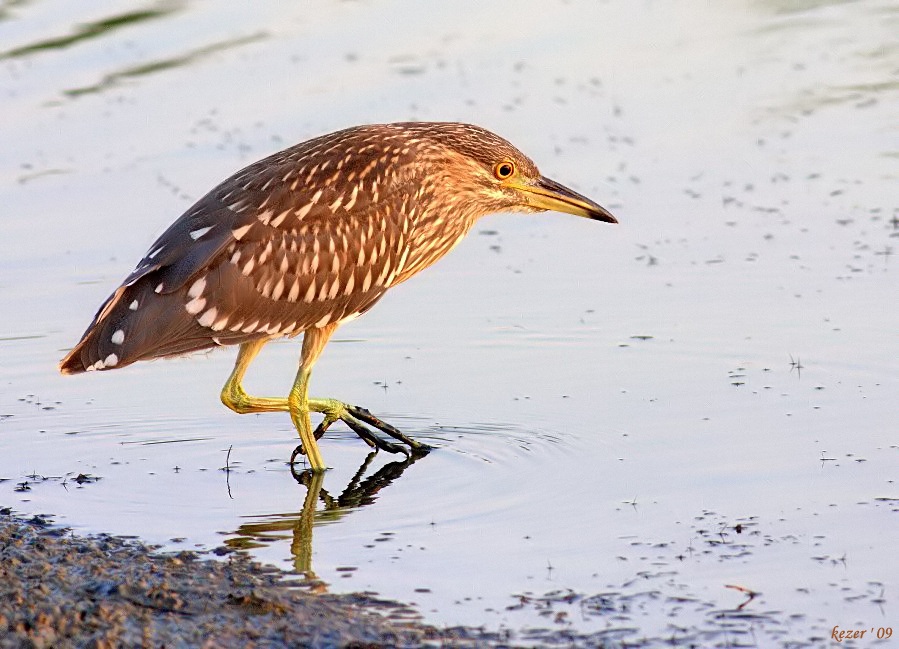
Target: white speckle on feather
[(133, 306), (278, 290), (335, 289), (118, 337), (110, 361), (158, 288), (383, 276), (196, 234), (208, 317), (352, 200), (266, 289), (196, 289), (278, 220), (294, 291), (266, 253), (240, 232), (195, 305), (310, 294), (220, 324)]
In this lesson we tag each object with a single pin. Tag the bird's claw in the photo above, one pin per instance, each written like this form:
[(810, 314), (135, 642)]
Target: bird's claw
[(373, 440), (365, 415), (356, 418)]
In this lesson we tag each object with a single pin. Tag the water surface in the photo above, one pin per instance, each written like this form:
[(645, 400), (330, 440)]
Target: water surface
[(635, 427)]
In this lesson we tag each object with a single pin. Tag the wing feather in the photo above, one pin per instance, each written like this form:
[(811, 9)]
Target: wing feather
[(282, 245)]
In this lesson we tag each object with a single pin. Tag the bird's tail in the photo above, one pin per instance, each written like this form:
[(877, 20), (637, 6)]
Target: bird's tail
[(137, 323)]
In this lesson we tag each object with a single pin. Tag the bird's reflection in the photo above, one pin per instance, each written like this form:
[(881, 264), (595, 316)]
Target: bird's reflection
[(361, 490)]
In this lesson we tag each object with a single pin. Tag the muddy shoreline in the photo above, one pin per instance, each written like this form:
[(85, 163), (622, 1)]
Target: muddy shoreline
[(62, 590)]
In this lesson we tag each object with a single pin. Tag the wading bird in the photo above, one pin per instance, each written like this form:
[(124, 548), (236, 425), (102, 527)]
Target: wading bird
[(307, 239)]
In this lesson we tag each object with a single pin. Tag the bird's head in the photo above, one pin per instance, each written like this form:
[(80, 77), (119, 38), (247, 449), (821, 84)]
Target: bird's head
[(478, 162)]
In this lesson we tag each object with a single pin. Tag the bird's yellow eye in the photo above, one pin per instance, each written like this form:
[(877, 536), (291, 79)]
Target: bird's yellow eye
[(504, 170)]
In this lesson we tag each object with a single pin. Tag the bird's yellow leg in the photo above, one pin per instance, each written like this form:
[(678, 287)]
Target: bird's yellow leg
[(300, 405), (236, 398), (233, 394), (314, 340)]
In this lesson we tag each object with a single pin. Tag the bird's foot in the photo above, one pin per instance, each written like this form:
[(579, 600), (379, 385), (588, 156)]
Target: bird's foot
[(359, 419)]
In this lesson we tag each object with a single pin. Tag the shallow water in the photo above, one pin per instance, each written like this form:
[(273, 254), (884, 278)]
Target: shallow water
[(628, 421)]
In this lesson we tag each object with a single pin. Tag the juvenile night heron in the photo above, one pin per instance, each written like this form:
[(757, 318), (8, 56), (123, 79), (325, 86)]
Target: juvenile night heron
[(305, 240)]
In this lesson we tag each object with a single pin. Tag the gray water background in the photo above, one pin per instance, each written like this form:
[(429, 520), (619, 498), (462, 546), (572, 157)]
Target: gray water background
[(628, 420)]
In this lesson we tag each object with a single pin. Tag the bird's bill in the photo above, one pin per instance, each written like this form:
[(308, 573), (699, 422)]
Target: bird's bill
[(547, 194)]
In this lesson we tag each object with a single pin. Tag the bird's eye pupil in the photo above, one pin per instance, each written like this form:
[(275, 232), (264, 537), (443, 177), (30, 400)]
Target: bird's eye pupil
[(504, 170)]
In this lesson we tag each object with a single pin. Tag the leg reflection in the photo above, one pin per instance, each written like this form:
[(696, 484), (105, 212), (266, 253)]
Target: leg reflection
[(361, 491)]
